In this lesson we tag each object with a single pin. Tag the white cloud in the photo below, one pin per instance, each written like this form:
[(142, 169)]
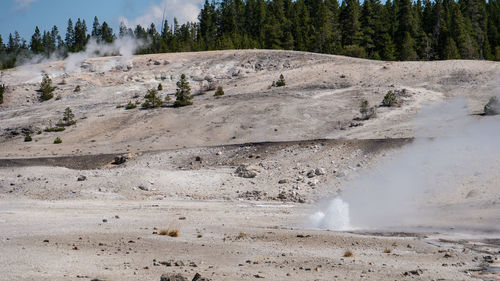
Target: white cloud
[(23, 4), (183, 10)]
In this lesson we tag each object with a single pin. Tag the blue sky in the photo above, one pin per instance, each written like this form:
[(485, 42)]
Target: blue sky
[(24, 15)]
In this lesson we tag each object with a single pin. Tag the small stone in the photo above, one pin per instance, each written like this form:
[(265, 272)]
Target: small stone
[(81, 178), (319, 171), (282, 181)]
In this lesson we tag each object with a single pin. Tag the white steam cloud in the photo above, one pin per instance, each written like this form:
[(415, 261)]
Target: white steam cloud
[(31, 68), (183, 10), (125, 47), (444, 178)]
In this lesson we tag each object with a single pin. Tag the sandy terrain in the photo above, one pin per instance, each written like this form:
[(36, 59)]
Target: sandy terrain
[(68, 213)]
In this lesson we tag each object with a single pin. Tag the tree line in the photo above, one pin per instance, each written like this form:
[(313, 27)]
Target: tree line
[(394, 30)]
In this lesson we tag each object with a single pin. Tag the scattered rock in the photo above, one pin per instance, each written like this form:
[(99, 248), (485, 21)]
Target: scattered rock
[(119, 160), (141, 187), (247, 171), (291, 196), (81, 178), (172, 277), (198, 159), (253, 195), (282, 181), (416, 272), (157, 62), (319, 171), (197, 277), (311, 174)]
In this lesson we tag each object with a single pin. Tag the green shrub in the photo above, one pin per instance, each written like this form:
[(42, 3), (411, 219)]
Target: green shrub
[(130, 105), (27, 138), (119, 106), (46, 88), (355, 51), (219, 92), (183, 93), (390, 99), (57, 140), (152, 99), (54, 129), (366, 111), (77, 89)]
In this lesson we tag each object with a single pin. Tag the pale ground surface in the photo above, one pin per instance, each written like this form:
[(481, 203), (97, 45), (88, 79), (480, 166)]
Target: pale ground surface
[(162, 185)]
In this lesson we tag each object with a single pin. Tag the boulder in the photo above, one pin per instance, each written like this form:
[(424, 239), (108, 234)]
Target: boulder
[(81, 178), (319, 171)]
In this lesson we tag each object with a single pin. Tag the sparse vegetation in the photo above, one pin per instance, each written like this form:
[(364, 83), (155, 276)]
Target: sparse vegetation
[(281, 81), (68, 118), (241, 235), (57, 140), (390, 99), (167, 99), (387, 251), (160, 87), (170, 232), (120, 106), (183, 93), (2, 91), (46, 88), (77, 89), (54, 129), (153, 100), (348, 254), (58, 97), (492, 107), (130, 105), (219, 92), (366, 111), (28, 138)]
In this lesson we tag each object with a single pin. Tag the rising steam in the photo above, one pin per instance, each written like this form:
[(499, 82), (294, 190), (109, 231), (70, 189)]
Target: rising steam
[(124, 47), (429, 183)]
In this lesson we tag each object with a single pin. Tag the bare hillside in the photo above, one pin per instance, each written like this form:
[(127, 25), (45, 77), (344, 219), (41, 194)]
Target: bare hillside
[(320, 100), (281, 183)]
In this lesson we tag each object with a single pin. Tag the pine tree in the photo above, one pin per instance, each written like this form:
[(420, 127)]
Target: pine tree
[(36, 45), (46, 88), (152, 99), (70, 36), (96, 29), (349, 21), (68, 117), (183, 93), (107, 33)]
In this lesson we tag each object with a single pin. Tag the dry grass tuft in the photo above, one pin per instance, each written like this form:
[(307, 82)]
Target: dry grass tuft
[(348, 254), (387, 251), (241, 235), (173, 233), (170, 232)]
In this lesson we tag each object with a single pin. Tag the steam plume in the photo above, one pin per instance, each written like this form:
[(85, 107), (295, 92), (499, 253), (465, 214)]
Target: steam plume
[(429, 183)]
